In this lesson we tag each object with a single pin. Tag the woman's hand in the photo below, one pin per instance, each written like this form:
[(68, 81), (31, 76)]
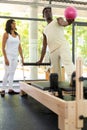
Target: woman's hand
[(6, 61)]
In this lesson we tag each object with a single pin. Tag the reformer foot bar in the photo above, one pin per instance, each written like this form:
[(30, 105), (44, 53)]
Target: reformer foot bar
[(70, 113), (36, 64)]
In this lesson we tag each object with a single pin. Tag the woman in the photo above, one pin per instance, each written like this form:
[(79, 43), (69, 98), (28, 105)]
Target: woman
[(10, 48)]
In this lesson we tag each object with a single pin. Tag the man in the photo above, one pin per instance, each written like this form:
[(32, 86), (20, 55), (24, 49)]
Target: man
[(54, 38)]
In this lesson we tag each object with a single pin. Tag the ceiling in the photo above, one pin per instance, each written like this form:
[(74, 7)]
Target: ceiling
[(22, 6)]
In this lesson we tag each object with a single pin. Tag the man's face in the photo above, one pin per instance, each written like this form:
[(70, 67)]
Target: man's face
[(47, 13)]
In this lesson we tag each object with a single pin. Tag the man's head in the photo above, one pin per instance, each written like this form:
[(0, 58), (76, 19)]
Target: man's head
[(47, 13)]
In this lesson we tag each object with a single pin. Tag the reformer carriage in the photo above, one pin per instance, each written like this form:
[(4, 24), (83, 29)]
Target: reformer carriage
[(70, 112)]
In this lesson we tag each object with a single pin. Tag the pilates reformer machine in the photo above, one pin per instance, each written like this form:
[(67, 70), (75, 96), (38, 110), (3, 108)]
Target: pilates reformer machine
[(70, 112)]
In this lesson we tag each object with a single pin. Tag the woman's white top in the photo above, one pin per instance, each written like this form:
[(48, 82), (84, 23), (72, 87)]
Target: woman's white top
[(12, 45)]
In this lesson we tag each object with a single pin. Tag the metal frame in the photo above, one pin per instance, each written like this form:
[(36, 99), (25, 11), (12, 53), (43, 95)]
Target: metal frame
[(73, 37), (59, 4), (22, 18)]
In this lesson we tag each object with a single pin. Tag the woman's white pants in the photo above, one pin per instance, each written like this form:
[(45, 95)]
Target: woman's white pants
[(10, 71)]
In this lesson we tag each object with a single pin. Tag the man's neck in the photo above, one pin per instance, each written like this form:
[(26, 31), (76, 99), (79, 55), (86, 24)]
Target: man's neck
[(49, 21)]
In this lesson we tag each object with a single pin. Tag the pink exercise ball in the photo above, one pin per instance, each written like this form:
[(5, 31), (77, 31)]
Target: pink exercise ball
[(70, 13)]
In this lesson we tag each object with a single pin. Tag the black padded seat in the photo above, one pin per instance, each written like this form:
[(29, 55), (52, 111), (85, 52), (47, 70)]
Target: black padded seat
[(44, 85), (65, 86)]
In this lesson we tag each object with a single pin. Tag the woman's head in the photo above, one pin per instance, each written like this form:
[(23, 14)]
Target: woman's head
[(10, 25)]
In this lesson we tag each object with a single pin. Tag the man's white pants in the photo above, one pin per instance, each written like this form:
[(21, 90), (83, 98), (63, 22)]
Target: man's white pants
[(62, 54), (9, 72)]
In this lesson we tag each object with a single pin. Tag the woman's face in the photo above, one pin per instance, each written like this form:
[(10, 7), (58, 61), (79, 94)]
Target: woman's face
[(13, 25)]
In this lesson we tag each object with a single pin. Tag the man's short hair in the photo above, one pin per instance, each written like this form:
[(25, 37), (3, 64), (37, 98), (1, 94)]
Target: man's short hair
[(45, 9)]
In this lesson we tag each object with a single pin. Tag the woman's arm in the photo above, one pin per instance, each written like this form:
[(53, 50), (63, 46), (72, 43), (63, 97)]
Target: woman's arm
[(4, 39), (20, 51)]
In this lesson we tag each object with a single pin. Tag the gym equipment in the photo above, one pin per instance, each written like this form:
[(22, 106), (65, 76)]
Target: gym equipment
[(36, 64), (70, 112), (70, 13), (53, 82), (73, 81), (33, 64)]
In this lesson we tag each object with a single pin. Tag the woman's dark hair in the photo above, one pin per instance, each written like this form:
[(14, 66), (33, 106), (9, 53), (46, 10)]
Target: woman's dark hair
[(45, 9), (8, 26)]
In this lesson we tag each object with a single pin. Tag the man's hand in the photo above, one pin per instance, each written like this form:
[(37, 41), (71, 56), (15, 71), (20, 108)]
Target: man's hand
[(39, 62)]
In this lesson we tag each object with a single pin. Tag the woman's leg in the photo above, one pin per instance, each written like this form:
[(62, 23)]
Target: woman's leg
[(12, 68), (5, 78)]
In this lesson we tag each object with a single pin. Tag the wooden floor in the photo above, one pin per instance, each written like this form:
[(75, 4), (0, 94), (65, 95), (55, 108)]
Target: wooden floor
[(25, 113)]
